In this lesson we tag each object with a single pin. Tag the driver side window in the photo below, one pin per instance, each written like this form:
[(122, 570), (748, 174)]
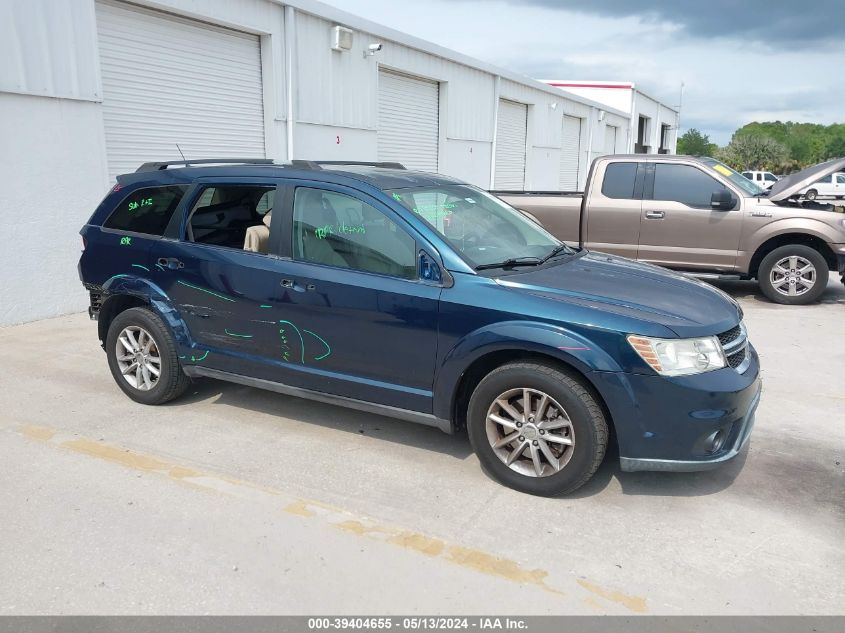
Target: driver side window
[(685, 184), (334, 229)]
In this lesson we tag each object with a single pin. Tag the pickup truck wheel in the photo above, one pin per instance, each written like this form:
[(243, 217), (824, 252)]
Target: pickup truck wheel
[(536, 429), (143, 359), (793, 275), (811, 194)]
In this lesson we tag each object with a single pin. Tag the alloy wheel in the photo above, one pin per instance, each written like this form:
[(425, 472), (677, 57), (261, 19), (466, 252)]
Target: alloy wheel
[(793, 276), (530, 432), (138, 358)]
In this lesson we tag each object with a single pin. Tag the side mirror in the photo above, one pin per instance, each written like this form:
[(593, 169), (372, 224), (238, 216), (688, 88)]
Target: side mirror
[(722, 200)]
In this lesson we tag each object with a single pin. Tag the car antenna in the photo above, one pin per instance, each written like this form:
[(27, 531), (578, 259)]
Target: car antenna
[(180, 152)]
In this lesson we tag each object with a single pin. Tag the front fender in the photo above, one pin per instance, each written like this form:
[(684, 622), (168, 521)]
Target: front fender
[(795, 226), (557, 342)]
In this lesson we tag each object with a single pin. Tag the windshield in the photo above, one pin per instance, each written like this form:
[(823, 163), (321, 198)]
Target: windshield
[(485, 230), (735, 177)]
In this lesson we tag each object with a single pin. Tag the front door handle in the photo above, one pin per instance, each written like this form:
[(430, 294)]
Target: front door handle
[(655, 215), (170, 262)]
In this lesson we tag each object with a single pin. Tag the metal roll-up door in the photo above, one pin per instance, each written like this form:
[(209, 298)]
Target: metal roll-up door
[(570, 153), (409, 120), (169, 80), (511, 130), (610, 139)]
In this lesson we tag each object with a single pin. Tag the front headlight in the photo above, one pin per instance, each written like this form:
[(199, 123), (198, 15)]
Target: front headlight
[(679, 356)]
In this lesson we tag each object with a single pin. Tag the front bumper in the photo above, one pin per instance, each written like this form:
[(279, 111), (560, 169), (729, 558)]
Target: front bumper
[(669, 424)]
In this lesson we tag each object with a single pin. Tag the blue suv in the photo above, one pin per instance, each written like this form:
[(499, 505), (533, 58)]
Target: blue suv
[(416, 296)]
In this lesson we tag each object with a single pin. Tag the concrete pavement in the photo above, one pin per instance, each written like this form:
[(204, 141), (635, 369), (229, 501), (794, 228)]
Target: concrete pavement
[(233, 500)]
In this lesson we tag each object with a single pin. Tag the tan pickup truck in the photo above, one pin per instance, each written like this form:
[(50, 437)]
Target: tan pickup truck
[(699, 216)]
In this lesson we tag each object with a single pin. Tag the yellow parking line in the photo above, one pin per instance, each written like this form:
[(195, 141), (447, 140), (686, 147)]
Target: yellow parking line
[(348, 522)]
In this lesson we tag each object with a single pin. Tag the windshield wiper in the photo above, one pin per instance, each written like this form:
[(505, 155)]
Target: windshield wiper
[(513, 261), (557, 250)]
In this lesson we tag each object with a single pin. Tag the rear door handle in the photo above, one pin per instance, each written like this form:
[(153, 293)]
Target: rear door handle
[(655, 215), (291, 283), (170, 262)]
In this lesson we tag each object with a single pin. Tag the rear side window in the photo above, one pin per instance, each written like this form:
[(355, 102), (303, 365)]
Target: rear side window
[(686, 184), (146, 210), (619, 179)]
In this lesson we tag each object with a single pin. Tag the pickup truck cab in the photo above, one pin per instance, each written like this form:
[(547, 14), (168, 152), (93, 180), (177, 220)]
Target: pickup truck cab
[(420, 297), (699, 216)]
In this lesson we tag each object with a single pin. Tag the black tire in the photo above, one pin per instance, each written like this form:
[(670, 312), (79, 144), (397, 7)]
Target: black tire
[(812, 194), (172, 382), (588, 424), (808, 253)]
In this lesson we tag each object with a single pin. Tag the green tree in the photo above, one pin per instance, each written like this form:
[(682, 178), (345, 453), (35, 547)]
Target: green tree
[(694, 143), (753, 151)]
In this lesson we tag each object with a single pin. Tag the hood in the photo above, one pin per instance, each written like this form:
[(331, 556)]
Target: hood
[(686, 306), (790, 185)]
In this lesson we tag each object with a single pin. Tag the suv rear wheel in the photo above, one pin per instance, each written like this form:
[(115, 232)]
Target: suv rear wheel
[(142, 357), (536, 429), (793, 274)]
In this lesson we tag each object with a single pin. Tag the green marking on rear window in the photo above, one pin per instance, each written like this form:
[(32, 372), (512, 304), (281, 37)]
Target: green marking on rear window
[(211, 292), (237, 335), (139, 266)]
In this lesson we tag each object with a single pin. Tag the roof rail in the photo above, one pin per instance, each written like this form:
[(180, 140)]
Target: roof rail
[(387, 165), (157, 165)]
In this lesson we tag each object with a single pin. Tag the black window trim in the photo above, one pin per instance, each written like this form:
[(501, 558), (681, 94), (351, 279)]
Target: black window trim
[(149, 236)]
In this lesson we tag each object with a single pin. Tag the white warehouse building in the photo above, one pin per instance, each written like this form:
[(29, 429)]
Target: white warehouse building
[(93, 88), (653, 126)]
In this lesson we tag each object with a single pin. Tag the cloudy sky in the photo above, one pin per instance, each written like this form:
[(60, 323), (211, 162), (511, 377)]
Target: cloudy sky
[(740, 61)]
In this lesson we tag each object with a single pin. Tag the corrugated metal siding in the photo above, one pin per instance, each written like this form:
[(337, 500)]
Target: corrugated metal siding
[(610, 139), (345, 91), (169, 80), (49, 49), (409, 116), (570, 153), (510, 145)]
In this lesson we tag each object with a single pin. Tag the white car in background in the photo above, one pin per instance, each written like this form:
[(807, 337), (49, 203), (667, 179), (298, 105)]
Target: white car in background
[(764, 179), (832, 185)]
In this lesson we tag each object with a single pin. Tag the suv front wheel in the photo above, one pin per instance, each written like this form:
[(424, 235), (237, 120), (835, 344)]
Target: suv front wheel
[(143, 359), (536, 429)]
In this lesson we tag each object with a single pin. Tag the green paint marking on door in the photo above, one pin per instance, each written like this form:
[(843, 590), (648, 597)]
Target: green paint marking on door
[(194, 359), (139, 266), (320, 338), (264, 305), (211, 292), (301, 340), (126, 241), (237, 335)]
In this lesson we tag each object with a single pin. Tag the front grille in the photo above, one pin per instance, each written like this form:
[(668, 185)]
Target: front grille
[(730, 336), (736, 359), (734, 344)]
